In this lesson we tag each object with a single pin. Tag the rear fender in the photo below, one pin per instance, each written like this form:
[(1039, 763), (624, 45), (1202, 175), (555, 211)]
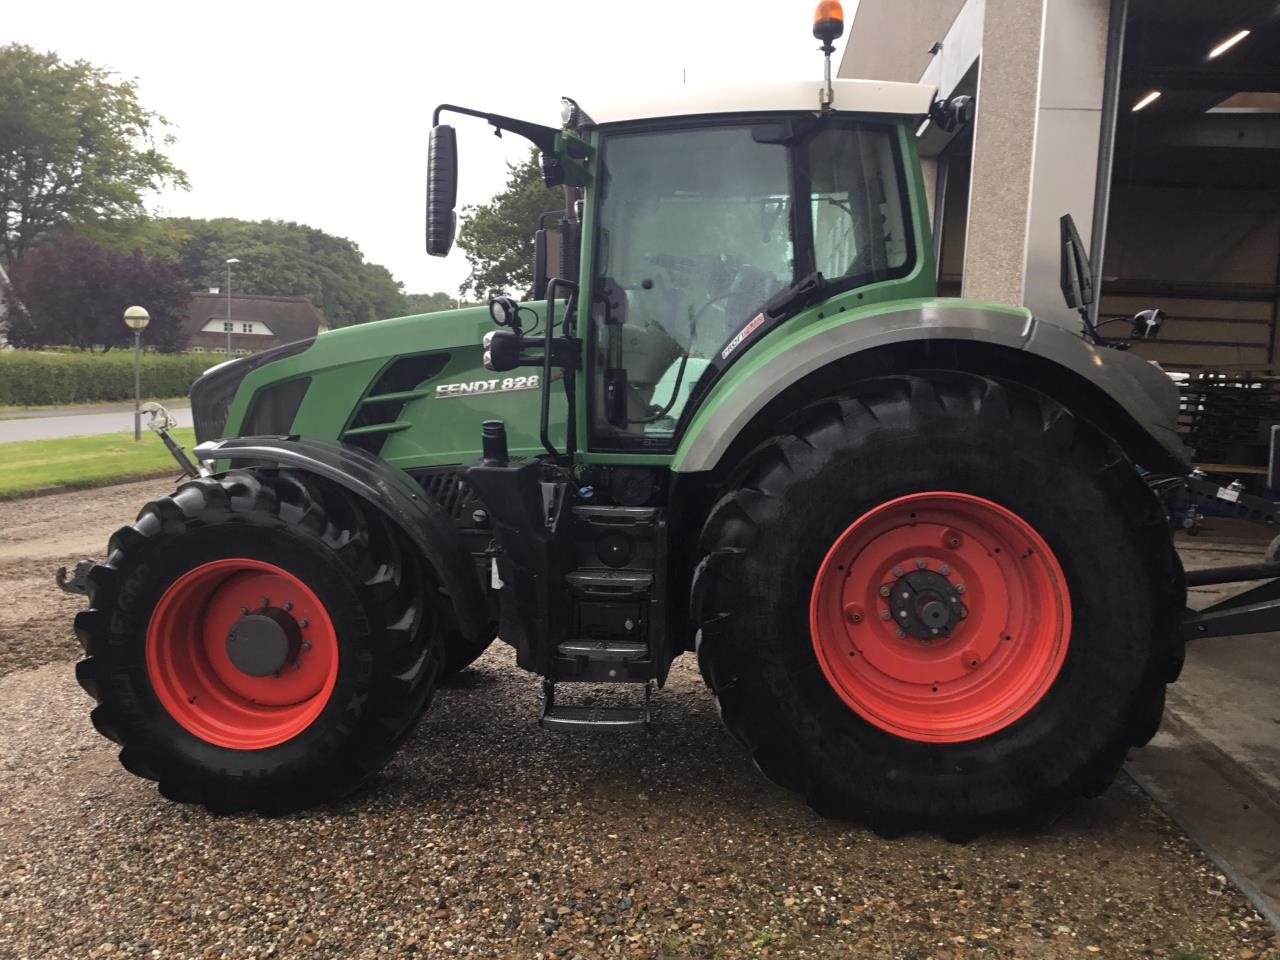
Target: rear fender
[(389, 490), (1129, 398)]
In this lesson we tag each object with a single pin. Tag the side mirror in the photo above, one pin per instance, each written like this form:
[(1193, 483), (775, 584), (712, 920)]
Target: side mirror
[(555, 253), (546, 255), (442, 189), (1075, 275)]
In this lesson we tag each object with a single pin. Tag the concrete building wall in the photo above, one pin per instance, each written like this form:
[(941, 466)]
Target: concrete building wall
[(1068, 124), (1036, 68), (1003, 148)]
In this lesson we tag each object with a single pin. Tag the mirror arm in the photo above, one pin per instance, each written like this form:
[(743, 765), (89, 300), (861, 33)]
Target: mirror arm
[(544, 138)]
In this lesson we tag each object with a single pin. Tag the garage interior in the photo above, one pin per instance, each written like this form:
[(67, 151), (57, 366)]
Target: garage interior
[(1194, 212)]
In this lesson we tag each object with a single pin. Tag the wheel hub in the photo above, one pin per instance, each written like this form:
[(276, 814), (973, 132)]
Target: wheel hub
[(971, 621), (232, 666), (926, 605), (261, 644)]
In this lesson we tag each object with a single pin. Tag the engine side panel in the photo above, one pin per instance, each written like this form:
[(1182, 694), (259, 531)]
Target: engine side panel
[(433, 410)]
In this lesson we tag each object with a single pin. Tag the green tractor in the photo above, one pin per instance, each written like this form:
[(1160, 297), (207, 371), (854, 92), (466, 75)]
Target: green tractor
[(914, 542)]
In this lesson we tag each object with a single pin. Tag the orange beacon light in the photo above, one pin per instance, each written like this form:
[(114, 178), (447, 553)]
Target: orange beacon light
[(828, 23)]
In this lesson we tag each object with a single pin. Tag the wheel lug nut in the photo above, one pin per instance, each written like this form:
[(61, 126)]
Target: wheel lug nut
[(944, 569), (307, 646), (922, 564), (959, 588), (266, 601), (304, 623), (244, 611), (287, 606), (885, 591), (902, 635), (897, 571), (885, 615)]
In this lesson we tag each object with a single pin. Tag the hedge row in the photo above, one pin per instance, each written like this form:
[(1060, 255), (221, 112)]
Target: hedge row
[(40, 378)]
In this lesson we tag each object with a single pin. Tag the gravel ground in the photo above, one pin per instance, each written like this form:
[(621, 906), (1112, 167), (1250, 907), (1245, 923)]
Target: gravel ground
[(488, 837)]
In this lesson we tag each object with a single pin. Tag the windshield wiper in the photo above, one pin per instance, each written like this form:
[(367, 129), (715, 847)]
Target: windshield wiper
[(795, 297)]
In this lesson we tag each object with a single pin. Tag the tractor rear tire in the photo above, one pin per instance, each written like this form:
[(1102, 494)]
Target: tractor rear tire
[(848, 656), (205, 589)]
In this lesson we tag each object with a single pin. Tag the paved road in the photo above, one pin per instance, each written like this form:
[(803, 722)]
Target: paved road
[(79, 421)]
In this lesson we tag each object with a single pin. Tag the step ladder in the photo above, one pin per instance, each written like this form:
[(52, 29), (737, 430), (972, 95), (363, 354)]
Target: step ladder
[(590, 717)]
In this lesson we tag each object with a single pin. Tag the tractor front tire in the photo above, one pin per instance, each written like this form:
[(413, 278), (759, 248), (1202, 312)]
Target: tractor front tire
[(940, 602), (259, 640)]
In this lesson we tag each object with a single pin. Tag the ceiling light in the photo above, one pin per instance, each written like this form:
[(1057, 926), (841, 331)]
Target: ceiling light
[(1147, 101), (1227, 44)]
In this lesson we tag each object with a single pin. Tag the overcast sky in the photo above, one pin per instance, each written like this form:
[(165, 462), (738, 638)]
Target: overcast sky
[(319, 113)]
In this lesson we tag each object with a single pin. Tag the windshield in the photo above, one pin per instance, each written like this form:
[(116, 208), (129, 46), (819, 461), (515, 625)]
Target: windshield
[(698, 229)]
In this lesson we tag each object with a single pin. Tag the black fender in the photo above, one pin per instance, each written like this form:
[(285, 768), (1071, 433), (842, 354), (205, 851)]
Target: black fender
[(389, 490), (1130, 399)]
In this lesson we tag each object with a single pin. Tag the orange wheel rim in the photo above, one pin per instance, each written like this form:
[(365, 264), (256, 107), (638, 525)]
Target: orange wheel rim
[(223, 617), (940, 617)]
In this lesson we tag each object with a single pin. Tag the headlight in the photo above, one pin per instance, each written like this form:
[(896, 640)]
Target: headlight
[(212, 394)]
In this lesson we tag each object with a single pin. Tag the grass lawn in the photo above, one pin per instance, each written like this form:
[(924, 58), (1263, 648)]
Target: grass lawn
[(27, 465)]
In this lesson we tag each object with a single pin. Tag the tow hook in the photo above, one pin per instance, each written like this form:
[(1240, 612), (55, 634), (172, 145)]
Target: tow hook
[(78, 582)]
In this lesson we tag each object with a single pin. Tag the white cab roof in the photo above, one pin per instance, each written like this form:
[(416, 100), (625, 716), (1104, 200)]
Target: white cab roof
[(851, 96)]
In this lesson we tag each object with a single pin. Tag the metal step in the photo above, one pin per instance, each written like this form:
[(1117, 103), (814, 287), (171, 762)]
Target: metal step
[(604, 649), (586, 717), (602, 661), (613, 582), (576, 717)]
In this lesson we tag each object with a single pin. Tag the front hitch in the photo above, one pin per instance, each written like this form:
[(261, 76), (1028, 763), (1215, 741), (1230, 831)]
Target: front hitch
[(78, 582), (160, 422)]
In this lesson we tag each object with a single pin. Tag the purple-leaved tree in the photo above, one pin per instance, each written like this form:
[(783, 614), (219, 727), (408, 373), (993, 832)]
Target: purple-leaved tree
[(74, 293)]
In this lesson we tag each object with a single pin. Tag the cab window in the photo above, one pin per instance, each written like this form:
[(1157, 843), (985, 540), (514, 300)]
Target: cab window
[(698, 228)]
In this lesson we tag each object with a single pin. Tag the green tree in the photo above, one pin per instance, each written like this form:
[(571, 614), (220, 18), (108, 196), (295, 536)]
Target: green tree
[(497, 236), (76, 147), (415, 303), (282, 259)]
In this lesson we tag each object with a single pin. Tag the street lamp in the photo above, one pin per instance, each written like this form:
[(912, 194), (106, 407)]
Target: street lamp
[(229, 263), (136, 319)]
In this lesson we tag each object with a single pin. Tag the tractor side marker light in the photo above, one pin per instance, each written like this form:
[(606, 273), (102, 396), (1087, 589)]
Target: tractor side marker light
[(1147, 101), (1228, 43)]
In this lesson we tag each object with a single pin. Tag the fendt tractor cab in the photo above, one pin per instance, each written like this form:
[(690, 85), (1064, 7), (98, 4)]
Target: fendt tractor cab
[(907, 536)]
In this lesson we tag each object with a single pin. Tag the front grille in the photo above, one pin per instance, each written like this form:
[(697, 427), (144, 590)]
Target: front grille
[(378, 415), (213, 393), (274, 408), (448, 488)]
